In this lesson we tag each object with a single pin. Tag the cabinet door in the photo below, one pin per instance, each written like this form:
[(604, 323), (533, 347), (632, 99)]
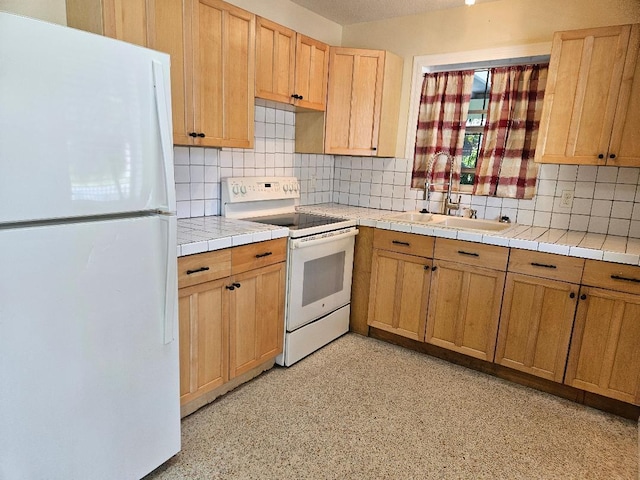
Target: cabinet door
[(125, 20), (399, 293), (535, 325), (354, 101), (581, 95), (256, 318), (275, 61), (312, 73), (223, 53), (170, 32), (604, 356), (624, 150), (204, 330), (464, 308)]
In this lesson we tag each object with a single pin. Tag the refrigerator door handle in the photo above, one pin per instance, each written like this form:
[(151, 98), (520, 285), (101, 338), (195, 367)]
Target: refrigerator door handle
[(166, 139), (171, 281)]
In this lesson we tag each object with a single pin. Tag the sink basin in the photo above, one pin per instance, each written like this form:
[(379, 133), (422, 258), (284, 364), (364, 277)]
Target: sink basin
[(411, 217), (461, 223)]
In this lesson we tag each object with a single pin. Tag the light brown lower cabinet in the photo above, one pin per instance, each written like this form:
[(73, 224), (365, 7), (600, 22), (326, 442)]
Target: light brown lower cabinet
[(535, 325), (400, 279), (604, 356), (231, 315), (465, 298), (538, 308), (204, 329), (256, 317)]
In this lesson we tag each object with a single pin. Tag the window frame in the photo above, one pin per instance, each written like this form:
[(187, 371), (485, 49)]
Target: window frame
[(467, 60)]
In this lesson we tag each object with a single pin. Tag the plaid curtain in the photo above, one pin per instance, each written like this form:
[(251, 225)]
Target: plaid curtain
[(444, 104), (505, 164)]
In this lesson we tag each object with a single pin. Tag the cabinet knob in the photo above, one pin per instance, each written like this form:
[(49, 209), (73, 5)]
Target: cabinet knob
[(612, 155), (583, 297), (374, 148), (201, 135), (601, 156), (237, 285), (434, 269), (426, 267), (193, 134), (230, 287), (572, 295)]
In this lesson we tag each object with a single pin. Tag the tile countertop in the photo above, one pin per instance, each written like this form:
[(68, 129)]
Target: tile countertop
[(204, 234)]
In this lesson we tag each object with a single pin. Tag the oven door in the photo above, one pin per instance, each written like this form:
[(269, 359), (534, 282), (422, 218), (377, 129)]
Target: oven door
[(320, 269)]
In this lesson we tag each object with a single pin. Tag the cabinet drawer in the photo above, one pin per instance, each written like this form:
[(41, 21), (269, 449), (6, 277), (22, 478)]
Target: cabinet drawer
[(546, 265), (612, 276), (401, 242), (477, 254), (256, 255), (203, 267)]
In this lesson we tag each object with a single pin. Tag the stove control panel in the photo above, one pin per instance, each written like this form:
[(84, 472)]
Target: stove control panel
[(253, 189)]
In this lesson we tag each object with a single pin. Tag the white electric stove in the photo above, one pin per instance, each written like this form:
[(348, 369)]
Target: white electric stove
[(319, 260)]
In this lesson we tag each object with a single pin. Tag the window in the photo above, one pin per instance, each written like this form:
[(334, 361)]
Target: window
[(476, 120), (476, 60)]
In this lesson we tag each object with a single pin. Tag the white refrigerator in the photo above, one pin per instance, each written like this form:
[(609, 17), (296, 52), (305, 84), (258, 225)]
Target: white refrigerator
[(89, 375)]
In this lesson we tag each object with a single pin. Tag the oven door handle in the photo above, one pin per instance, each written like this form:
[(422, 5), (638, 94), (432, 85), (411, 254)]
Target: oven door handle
[(312, 243)]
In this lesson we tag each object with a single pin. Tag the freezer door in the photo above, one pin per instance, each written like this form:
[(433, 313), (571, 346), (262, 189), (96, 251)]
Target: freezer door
[(85, 124), (89, 380)]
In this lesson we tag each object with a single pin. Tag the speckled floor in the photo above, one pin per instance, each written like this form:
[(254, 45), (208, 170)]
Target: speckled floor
[(363, 409)]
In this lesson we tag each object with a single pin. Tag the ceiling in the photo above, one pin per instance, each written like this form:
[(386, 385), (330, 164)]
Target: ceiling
[(347, 12)]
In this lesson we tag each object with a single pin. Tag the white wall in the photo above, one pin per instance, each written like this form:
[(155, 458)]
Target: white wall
[(50, 10)]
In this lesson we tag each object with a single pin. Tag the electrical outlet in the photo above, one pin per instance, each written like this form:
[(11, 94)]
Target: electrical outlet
[(567, 199)]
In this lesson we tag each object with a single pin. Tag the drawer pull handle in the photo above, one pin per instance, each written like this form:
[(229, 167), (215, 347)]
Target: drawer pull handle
[(471, 254), (201, 269), (265, 254), (543, 265), (398, 242), (626, 279)]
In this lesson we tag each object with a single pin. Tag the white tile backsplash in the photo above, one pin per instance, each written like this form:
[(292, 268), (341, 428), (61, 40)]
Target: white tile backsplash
[(606, 199)]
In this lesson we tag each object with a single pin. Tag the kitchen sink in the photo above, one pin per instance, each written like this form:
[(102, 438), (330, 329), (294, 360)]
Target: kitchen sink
[(475, 224), (411, 217), (458, 223)]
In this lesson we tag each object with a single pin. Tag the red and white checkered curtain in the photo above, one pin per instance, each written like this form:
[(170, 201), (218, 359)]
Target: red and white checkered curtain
[(505, 164), (444, 105)]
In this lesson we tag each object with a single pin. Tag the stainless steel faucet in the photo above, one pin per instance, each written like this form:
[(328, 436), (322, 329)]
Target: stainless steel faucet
[(448, 203)]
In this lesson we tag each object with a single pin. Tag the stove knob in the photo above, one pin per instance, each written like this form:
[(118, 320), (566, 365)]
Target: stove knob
[(236, 190), (243, 189)]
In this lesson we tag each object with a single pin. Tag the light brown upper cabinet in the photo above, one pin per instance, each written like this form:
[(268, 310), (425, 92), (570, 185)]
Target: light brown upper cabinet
[(212, 48), (363, 102), (591, 112), (290, 68), (125, 20)]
